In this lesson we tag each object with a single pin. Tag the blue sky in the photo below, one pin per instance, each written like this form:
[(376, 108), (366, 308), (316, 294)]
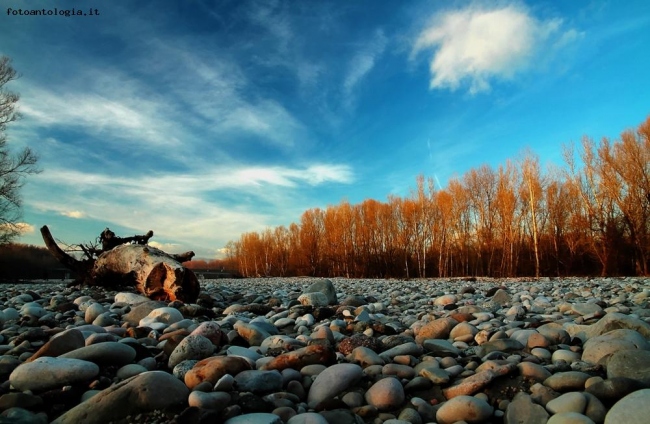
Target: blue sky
[(204, 119)]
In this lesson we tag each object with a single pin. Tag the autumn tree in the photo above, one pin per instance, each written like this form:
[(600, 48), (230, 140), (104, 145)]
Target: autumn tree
[(557, 200), (599, 214), (311, 232), (481, 184), (508, 218), (461, 228), (532, 186), (14, 167), (624, 167)]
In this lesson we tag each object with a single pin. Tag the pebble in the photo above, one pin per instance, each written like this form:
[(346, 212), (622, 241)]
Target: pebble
[(567, 381), (257, 381), (107, 353), (191, 347), (634, 364), (386, 394), (632, 409), (568, 402), (333, 381), (570, 418), (48, 373), (464, 408), (350, 351), (213, 368), (146, 392), (61, 343), (255, 418), (214, 400), (522, 409), (600, 347)]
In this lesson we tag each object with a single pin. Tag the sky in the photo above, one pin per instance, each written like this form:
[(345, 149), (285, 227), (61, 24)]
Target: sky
[(205, 119)]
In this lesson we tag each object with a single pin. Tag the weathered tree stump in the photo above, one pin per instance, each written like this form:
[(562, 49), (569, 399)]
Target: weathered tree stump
[(154, 273)]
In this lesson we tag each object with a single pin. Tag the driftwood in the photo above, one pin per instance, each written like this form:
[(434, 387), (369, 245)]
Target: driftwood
[(130, 261)]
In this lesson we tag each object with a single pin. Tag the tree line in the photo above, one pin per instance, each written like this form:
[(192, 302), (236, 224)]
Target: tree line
[(21, 261), (589, 217)]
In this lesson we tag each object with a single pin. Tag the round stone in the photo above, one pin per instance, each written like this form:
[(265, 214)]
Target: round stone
[(446, 299), (165, 315), (634, 364), (315, 299), (107, 353), (128, 371), (533, 371), (130, 298), (145, 392), (211, 330), (632, 409), (257, 381), (61, 343), (48, 373), (191, 347), (568, 402), (93, 311), (307, 418), (213, 368), (565, 355), (255, 418), (567, 381), (333, 381), (214, 400), (386, 394), (464, 408), (570, 418), (436, 329), (253, 334), (327, 288), (599, 347)]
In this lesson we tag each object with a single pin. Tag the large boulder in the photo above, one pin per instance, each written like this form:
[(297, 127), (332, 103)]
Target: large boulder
[(327, 288)]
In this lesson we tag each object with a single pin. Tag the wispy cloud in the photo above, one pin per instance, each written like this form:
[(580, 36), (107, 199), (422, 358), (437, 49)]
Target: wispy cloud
[(270, 15), (362, 63), (191, 210), (477, 44), (225, 178), (113, 107)]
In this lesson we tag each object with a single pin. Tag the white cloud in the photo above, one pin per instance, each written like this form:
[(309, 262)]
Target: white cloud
[(21, 227), (476, 45), (73, 214)]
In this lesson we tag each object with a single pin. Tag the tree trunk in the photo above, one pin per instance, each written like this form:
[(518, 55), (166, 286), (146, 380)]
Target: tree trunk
[(151, 271)]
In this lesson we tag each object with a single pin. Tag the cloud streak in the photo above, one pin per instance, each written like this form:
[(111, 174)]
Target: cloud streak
[(362, 63), (191, 209), (477, 45)]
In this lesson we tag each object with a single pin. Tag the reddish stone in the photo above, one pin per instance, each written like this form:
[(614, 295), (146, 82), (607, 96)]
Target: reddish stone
[(213, 368)]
